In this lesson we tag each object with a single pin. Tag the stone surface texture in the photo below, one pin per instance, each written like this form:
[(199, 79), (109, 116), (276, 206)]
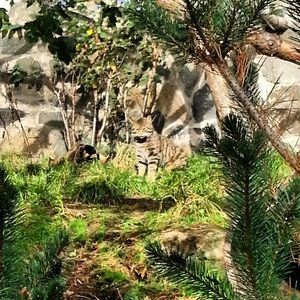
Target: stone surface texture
[(184, 102)]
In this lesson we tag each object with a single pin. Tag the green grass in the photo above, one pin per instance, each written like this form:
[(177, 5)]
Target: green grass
[(90, 200), (111, 276), (79, 230)]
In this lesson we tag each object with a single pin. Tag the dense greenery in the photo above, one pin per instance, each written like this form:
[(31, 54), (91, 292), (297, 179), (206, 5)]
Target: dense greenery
[(261, 222), (118, 211), (106, 205), (37, 274), (47, 195)]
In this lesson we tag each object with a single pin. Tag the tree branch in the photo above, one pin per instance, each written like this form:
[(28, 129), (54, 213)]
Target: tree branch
[(272, 44), (269, 44), (254, 114)]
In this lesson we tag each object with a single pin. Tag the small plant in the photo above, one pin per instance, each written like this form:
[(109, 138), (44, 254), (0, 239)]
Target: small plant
[(79, 229), (112, 276)]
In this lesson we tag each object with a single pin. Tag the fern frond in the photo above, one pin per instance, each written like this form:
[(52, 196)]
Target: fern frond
[(189, 272)]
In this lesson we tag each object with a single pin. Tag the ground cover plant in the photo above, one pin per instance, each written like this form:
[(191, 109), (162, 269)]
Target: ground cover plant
[(109, 213)]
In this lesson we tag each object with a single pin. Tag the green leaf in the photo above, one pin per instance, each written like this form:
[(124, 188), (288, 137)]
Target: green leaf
[(4, 15), (103, 34)]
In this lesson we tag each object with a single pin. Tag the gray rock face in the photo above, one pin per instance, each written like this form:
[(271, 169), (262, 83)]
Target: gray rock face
[(34, 99), (204, 240), (184, 105), (42, 140), (280, 86)]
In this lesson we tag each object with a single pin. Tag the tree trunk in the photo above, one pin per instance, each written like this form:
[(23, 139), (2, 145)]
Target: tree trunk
[(106, 111), (127, 136), (287, 154), (217, 86), (95, 117), (150, 95)]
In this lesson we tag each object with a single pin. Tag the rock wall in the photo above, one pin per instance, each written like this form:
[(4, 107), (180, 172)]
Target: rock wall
[(31, 121), (280, 86), (184, 103)]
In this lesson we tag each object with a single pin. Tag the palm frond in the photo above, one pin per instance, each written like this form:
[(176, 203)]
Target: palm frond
[(189, 272)]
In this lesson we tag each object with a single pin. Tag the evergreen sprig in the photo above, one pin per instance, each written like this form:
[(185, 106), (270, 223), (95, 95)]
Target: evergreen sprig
[(11, 218), (260, 226), (261, 222), (189, 272), (224, 23), (148, 16), (44, 269), (218, 22), (293, 9)]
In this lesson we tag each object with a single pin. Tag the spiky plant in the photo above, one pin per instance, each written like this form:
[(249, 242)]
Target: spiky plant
[(189, 272), (44, 278), (11, 216), (260, 226), (8, 205)]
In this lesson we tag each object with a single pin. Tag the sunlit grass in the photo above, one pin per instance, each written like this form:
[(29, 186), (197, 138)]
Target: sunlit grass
[(90, 199)]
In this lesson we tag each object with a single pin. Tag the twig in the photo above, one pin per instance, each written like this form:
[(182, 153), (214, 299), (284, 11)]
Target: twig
[(63, 113), (125, 115), (119, 294), (14, 107), (95, 113), (147, 107), (106, 108)]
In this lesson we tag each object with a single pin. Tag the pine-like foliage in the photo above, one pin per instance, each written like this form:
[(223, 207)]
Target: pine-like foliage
[(259, 236), (11, 216), (260, 226), (221, 24), (293, 9), (44, 279), (149, 17), (189, 272), (38, 277)]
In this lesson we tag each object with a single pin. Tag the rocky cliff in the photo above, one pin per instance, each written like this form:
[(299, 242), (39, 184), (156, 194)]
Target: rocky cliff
[(31, 121)]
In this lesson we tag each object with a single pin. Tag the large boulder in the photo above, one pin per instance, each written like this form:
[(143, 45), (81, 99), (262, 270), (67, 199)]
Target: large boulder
[(203, 240), (42, 140)]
